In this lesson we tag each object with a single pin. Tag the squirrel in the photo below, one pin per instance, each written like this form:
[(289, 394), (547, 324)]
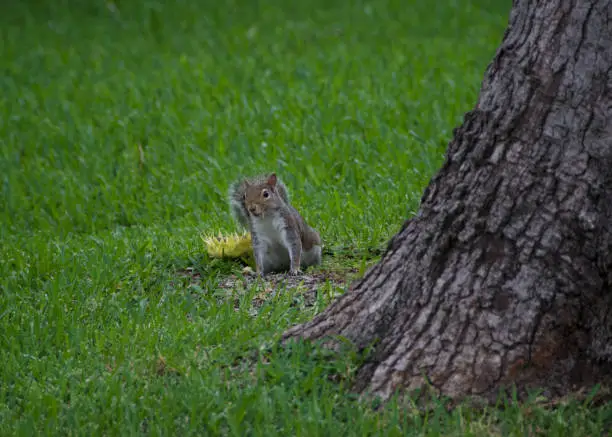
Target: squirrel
[(280, 236)]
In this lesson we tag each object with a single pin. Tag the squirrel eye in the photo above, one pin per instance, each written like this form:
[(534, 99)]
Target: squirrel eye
[(266, 194)]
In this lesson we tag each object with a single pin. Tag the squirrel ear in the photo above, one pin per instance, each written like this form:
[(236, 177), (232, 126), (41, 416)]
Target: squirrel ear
[(246, 182), (272, 179)]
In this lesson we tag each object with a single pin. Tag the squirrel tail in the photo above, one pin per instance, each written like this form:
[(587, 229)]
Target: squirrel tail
[(237, 208)]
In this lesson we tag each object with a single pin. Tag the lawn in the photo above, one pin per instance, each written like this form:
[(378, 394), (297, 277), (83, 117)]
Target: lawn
[(121, 127)]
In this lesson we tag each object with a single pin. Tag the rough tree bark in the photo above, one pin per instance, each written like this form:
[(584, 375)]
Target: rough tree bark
[(503, 278)]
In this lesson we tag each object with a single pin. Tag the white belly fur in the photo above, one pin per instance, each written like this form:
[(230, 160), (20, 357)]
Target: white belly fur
[(272, 237)]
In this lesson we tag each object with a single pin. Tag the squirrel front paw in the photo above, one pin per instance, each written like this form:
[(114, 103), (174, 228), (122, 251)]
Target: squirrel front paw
[(294, 272)]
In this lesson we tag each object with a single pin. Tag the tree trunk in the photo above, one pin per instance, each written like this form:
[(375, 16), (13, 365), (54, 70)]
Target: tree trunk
[(503, 277)]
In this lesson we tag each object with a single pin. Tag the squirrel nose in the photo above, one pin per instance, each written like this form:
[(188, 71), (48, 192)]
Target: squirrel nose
[(252, 209)]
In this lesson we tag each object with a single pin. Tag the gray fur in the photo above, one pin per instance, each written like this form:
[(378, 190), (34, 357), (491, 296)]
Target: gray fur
[(236, 197)]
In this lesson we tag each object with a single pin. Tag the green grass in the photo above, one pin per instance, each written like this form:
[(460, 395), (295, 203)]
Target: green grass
[(351, 103)]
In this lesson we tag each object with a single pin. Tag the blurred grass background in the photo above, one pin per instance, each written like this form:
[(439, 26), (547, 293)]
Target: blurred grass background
[(352, 103)]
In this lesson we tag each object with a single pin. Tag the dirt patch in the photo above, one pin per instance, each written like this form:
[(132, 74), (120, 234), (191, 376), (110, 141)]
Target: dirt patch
[(306, 287)]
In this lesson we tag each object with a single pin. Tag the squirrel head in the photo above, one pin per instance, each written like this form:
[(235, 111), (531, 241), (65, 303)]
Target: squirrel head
[(260, 198)]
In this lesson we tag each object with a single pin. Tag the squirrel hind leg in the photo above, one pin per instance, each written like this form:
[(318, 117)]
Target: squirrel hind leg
[(311, 257)]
